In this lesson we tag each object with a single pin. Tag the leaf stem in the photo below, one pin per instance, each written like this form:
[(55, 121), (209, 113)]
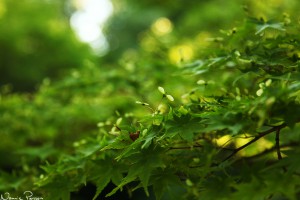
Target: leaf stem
[(277, 144)]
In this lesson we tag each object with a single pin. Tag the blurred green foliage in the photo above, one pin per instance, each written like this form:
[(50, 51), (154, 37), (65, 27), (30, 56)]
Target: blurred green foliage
[(36, 42), (232, 69)]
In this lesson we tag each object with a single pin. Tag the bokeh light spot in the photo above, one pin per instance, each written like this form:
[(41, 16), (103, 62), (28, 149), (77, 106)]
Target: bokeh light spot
[(180, 53), (162, 26)]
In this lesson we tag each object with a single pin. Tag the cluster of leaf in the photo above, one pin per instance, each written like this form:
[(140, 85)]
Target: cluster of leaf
[(43, 126), (234, 136), (49, 124)]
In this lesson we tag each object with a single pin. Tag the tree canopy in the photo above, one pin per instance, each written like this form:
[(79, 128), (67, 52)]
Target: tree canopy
[(194, 100)]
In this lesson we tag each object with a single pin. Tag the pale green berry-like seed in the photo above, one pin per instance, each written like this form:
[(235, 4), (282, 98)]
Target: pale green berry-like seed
[(268, 82), (119, 120), (201, 82), (170, 97), (259, 92), (261, 85), (161, 90), (142, 103), (189, 182), (100, 124)]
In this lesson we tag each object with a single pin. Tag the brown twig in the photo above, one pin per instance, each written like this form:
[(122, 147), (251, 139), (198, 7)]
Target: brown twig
[(260, 135), (198, 146), (277, 144), (118, 128), (185, 147), (266, 151)]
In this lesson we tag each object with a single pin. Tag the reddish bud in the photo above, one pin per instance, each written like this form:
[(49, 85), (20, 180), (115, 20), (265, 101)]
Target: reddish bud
[(134, 136)]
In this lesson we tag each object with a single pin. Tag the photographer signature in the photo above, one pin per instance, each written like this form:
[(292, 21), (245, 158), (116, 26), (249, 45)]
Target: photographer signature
[(27, 195)]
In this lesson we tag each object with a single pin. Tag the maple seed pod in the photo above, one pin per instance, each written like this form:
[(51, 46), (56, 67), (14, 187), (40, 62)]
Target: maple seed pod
[(134, 136), (119, 120), (100, 124), (268, 82), (261, 85), (161, 90), (201, 82), (142, 103), (170, 97), (259, 92), (189, 182)]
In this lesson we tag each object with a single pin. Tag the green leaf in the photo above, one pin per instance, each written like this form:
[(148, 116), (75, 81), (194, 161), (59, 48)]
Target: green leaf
[(121, 142), (129, 178), (148, 140), (41, 152), (101, 183), (184, 125), (263, 27), (102, 172), (8, 181), (133, 148), (59, 188), (147, 161), (255, 187), (167, 185)]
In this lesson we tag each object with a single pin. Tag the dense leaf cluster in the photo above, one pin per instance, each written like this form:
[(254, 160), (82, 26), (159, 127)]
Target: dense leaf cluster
[(236, 132), (183, 112)]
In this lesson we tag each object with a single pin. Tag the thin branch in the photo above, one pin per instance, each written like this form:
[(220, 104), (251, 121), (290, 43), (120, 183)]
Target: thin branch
[(277, 144), (262, 134), (249, 158), (279, 156), (266, 151), (199, 146), (185, 147), (118, 128)]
